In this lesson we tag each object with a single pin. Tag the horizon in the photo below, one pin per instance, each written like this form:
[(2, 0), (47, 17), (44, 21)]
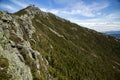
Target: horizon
[(99, 15)]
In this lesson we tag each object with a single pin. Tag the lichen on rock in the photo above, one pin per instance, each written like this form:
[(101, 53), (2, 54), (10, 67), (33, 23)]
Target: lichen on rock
[(15, 69)]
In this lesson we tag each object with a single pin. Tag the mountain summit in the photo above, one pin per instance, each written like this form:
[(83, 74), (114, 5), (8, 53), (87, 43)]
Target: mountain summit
[(31, 10), (35, 45)]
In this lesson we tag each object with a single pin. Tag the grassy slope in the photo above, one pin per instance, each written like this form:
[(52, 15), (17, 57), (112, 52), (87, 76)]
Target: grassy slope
[(82, 55)]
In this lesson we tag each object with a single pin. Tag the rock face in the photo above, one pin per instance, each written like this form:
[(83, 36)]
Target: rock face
[(22, 61), (35, 45), (15, 68)]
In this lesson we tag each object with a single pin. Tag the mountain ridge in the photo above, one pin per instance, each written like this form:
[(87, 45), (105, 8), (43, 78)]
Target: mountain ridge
[(113, 33), (52, 48)]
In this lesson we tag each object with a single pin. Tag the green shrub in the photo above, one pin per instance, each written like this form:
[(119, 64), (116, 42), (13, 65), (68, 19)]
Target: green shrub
[(4, 64)]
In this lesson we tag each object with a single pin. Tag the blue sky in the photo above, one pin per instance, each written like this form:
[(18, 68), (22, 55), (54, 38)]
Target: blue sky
[(100, 15)]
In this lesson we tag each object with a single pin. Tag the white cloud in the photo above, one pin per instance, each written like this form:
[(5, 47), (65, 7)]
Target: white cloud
[(101, 27), (19, 3), (104, 18), (99, 24), (65, 1), (12, 8), (80, 8), (8, 7), (55, 11), (114, 15), (43, 9), (88, 10)]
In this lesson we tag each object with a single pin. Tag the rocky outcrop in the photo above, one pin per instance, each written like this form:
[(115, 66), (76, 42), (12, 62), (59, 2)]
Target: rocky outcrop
[(16, 70), (16, 49)]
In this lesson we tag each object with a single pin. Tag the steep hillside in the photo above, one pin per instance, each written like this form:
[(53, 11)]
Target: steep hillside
[(35, 45)]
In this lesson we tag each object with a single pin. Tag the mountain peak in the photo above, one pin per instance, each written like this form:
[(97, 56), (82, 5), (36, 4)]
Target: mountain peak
[(32, 7), (31, 10)]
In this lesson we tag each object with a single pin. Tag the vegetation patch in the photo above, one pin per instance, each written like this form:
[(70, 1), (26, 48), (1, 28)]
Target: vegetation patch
[(4, 64)]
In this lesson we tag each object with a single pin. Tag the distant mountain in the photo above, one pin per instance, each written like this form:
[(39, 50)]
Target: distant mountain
[(35, 45), (113, 33)]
